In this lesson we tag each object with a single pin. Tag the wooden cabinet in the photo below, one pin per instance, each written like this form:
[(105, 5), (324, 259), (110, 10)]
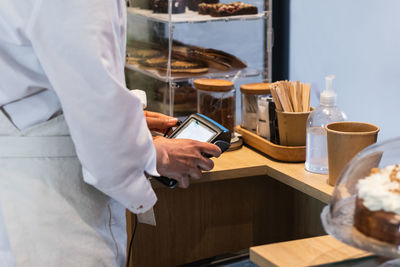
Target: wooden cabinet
[(246, 200)]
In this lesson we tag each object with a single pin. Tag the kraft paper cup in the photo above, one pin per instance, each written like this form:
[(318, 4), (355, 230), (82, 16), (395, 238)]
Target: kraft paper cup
[(292, 128), (345, 140)]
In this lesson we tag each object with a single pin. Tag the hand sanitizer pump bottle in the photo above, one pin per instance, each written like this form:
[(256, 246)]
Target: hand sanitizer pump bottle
[(316, 143)]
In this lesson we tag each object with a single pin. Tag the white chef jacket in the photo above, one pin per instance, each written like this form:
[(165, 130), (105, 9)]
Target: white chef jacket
[(70, 55)]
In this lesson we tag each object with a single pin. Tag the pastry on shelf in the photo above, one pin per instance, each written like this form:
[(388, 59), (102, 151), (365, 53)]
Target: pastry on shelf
[(377, 206), (177, 66), (184, 58), (187, 67), (229, 9), (205, 9), (154, 62), (213, 58), (133, 55), (194, 4), (161, 6)]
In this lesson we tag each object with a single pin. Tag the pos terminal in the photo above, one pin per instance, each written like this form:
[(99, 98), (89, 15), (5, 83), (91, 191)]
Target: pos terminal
[(201, 128)]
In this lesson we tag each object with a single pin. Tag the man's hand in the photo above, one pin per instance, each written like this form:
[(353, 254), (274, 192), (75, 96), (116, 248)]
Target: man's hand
[(182, 159), (159, 122)]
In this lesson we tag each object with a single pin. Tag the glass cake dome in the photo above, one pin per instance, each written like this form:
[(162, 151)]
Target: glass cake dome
[(338, 216)]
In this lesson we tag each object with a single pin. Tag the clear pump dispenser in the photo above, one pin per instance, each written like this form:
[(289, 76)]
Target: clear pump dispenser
[(316, 143)]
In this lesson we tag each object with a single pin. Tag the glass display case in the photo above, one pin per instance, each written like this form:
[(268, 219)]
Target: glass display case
[(365, 209), (173, 42)]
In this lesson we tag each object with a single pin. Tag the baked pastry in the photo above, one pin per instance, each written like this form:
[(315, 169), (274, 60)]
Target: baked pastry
[(138, 51), (134, 55), (186, 66), (142, 53), (230, 9), (194, 4), (205, 9), (177, 66), (377, 206), (211, 57)]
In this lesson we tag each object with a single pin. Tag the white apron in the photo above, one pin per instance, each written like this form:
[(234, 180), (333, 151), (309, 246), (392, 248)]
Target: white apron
[(51, 216)]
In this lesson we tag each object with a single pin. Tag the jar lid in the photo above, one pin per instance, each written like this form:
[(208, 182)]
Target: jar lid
[(256, 88), (213, 85)]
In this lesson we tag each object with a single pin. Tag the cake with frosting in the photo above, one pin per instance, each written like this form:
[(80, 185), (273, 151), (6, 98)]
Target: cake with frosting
[(377, 207)]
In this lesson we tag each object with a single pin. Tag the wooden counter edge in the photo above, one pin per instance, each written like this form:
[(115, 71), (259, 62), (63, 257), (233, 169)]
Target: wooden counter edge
[(304, 252), (247, 162), (321, 191)]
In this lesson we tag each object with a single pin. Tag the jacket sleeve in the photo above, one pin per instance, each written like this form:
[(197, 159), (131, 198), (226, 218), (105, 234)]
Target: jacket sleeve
[(78, 44)]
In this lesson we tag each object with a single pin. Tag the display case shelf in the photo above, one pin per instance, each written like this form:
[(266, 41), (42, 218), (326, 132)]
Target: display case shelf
[(192, 16), (242, 73)]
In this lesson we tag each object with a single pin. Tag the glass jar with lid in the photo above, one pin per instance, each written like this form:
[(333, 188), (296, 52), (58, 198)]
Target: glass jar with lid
[(255, 108), (251, 92), (217, 100)]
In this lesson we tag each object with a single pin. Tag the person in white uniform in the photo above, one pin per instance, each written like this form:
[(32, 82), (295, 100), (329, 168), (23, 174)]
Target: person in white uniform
[(74, 143)]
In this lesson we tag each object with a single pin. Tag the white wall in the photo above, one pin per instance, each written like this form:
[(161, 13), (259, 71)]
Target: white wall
[(359, 42)]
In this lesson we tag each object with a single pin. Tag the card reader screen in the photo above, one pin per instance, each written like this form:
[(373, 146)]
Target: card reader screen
[(196, 131)]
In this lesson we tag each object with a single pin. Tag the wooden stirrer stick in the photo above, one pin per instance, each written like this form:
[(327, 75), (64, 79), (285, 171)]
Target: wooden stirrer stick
[(278, 104)]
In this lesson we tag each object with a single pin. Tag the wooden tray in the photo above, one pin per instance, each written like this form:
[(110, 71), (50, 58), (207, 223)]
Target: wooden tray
[(282, 153)]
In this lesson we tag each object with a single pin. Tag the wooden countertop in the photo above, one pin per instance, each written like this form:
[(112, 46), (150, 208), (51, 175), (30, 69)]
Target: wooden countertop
[(247, 162), (304, 252)]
